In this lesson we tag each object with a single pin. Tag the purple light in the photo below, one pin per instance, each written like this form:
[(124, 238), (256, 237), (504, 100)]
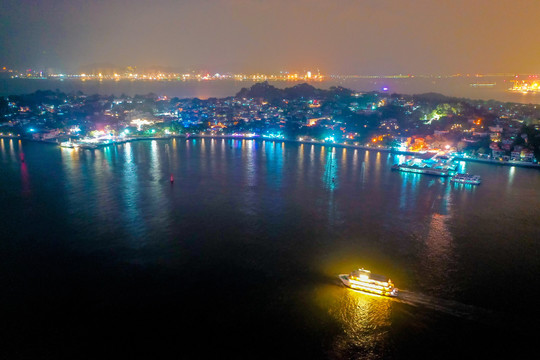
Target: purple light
[(385, 88)]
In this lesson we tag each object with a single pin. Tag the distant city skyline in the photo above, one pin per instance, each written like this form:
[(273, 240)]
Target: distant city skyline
[(339, 37), (112, 72)]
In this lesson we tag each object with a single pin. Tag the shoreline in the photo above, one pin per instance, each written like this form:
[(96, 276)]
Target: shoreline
[(258, 138), (500, 162)]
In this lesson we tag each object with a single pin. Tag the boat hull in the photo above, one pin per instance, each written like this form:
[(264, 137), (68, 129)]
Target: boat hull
[(466, 179), (427, 171), (345, 280), (466, 182)]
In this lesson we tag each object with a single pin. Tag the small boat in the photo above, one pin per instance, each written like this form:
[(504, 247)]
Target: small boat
[(172, 178), (364, 280), (477, 84), (467, 179)]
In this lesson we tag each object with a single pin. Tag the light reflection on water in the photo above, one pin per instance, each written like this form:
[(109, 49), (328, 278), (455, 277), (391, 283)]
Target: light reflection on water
[(438, 262), (12, 153), (104, 195), (511, 175), (274, 163), (365, 322), (354, 167), (249, 174), (130, 191), (155, 164), (378, 168), (330, 178), (71, 161), (343, 168), (409, 189), (300, 161), (250, 163), (464, 187), (25, 177), (311, 160), (2, 150)]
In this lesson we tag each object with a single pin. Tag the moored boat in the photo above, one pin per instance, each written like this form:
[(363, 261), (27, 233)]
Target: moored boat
[(365, 280), (68, 144), (423, 170), (438, 165), (467, 179)]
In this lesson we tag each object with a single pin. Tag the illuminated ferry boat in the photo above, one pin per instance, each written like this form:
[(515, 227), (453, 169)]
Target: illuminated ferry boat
[(364, 280), (467, 179)]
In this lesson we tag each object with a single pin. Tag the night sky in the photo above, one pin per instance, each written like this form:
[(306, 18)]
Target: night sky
[(336, 36)]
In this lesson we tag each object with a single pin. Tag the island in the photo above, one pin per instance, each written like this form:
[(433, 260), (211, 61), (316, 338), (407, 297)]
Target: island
[(477, 130)]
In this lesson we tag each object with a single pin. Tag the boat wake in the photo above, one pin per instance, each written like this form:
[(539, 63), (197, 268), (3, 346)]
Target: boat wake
[(449, 307)]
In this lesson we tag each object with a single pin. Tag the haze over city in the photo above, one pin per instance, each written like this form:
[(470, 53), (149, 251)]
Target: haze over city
[(337, 37)]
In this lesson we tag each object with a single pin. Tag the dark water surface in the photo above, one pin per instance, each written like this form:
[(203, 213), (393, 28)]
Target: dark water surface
[(239, 258)]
